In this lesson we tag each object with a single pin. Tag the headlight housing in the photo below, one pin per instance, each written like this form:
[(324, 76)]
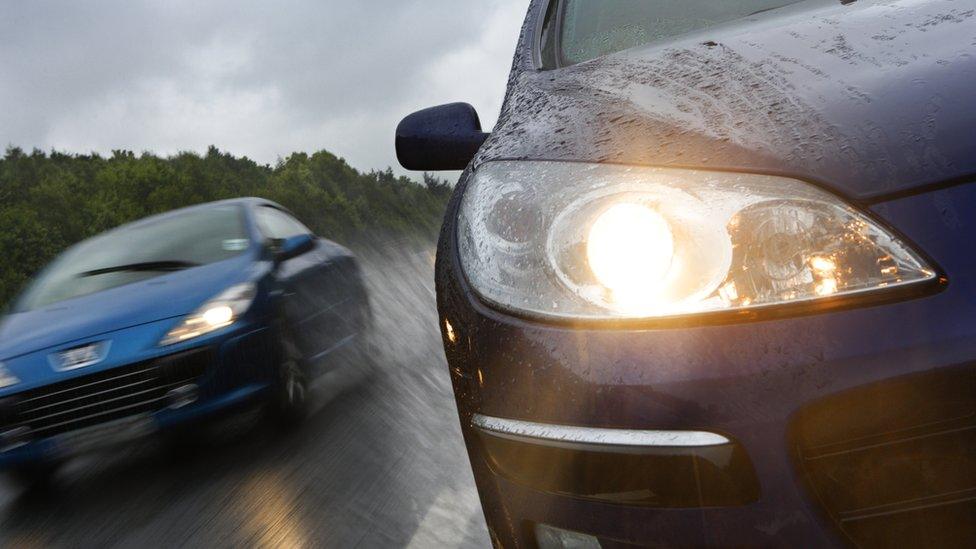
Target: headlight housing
[(7, 378), (597, 241), (219, 312)]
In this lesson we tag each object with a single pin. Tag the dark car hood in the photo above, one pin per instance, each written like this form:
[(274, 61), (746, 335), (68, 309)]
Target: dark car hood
[(158, 298), (871, 98)]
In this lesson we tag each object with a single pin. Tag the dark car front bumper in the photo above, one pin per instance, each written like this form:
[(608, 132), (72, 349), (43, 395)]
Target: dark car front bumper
[(191, 382), (856, 424)]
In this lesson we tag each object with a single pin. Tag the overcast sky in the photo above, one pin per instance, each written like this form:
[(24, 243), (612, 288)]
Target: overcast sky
[(261, 79)]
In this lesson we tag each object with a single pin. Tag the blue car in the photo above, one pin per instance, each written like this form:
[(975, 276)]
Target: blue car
[(711, 279), (172, 319)]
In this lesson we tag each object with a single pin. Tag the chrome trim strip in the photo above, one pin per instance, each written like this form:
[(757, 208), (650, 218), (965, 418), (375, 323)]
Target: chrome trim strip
[(569, 434), (25, 417), (90, 416), (89, 395), (96, 404), (76, 387)]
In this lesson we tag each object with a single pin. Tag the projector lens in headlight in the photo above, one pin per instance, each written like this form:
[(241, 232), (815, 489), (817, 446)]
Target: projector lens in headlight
[(632, 275), (601, 241)]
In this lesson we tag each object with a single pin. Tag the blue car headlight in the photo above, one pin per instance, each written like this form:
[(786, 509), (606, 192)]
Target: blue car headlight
[(7, 378), (597, 241), (219, 312)]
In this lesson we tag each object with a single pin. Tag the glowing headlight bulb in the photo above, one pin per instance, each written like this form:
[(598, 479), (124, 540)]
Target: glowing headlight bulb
[(219, 316), (630, 249)]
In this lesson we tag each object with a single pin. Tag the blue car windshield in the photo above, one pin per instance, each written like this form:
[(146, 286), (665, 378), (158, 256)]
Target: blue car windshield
[(140, 251), (593, 28)]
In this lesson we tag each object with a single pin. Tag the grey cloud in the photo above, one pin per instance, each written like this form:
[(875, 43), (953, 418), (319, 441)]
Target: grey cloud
[(255, 78)]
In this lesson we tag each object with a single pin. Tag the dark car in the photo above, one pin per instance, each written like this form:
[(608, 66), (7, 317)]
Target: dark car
[(711, 280), (176, 318)]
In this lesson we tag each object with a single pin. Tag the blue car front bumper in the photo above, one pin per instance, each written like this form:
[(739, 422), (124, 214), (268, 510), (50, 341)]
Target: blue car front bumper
[(136, 395)]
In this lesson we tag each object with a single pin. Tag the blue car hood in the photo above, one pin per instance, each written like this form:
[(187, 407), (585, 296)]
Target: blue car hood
[(167, 296)]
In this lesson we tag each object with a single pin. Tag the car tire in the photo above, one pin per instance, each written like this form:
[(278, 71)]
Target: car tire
[(291, 392)]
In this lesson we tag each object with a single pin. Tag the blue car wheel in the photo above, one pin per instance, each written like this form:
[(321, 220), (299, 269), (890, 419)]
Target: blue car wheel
[(290, 400)]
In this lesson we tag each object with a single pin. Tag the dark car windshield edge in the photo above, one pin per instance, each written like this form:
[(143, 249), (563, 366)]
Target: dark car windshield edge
[(599, 30)]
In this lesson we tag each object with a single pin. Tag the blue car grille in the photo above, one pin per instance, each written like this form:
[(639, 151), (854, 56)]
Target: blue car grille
[(104, 396)]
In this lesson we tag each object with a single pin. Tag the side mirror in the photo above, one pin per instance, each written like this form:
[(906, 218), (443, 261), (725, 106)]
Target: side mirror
[(439, 138), (294, 246)]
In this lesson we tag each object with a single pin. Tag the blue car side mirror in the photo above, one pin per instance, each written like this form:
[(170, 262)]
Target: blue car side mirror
[(439, 138), (294, 246)]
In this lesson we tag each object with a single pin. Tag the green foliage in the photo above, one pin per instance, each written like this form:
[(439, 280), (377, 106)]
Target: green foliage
[(50, 201)]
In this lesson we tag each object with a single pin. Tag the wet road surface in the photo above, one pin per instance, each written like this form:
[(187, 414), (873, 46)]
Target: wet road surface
[(379, 465)]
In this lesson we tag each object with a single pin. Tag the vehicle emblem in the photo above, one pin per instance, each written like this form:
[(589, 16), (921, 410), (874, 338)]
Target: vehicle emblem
[(80, 357)]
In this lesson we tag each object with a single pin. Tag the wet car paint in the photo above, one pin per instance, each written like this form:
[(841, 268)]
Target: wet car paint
[(867, 99), (870, 98), (745, 380)]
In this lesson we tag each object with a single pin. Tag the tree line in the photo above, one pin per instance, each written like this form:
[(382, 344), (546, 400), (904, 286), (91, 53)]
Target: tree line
[(49, 201)]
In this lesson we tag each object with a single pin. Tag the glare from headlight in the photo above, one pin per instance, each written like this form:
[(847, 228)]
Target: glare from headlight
[(219, 312), (218, 316), (630, 248), (597, 241)]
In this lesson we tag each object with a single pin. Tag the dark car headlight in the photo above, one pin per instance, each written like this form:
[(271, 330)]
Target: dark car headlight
[(219, 312), (597, 241)]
